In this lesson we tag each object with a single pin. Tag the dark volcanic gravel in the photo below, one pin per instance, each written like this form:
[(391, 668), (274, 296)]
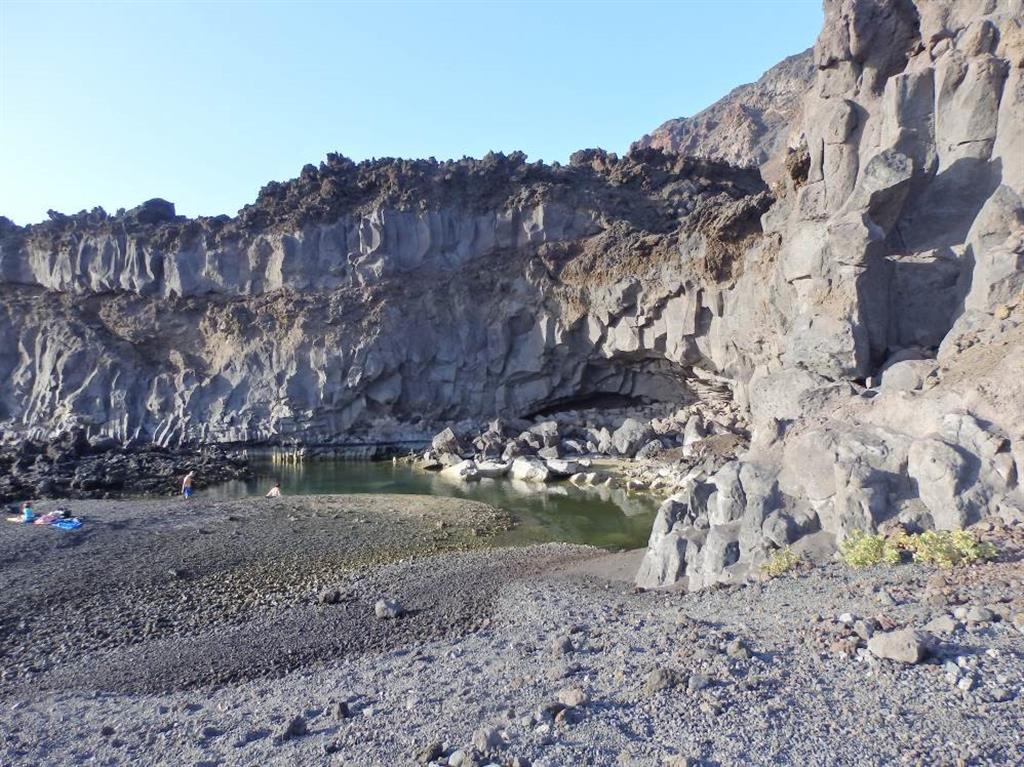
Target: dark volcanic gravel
[(263, 648), (155, 595)]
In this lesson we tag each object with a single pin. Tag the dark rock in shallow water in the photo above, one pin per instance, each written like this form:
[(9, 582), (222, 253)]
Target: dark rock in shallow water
[(72, 467)]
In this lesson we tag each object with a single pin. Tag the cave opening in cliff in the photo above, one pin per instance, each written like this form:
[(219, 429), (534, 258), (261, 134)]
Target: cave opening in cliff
[(620, 385), (590, 401)]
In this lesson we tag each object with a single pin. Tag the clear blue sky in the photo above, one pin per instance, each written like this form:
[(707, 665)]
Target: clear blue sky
[(203, 103)]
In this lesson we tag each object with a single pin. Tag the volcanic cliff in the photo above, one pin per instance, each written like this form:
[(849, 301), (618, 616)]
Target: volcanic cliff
[(864, 313)]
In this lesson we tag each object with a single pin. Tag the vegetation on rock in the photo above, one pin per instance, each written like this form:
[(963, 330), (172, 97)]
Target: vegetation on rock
[(781, 561), (861, 549), (945, 548)]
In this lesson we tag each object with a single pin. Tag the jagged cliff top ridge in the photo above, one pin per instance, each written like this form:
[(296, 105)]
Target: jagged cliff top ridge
[(593, 178), (750, 125)]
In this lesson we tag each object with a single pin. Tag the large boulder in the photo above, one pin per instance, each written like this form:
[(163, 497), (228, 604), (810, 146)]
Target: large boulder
[(547, 431), (693, 432), (963, 471), (905, 645), (720, 555), (631, 436), (464, 471), (492, 469), (908, 375), (665, 563), (447, 442), (672, 511), (599, 440), (560, 469), (941, 471), (530, 469), (730, 502)]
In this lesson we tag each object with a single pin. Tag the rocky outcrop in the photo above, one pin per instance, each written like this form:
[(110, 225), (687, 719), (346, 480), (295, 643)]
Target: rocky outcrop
[(670, 445), (372, 301), (748, 127), (890, 390), (73, 467)]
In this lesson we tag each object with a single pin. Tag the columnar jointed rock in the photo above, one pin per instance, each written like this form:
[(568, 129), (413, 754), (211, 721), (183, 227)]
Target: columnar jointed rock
[(372, 301), (899, 248)]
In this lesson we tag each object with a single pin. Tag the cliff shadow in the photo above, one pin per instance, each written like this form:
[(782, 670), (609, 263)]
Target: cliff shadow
[(931, 264)]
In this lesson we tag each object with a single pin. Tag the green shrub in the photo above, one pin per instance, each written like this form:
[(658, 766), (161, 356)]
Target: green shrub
[(861, 549), (944, 548), (781, 561), (947, 548)]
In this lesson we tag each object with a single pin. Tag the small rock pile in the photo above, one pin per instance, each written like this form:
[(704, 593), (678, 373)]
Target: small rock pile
[(664, 443), (952, 642)]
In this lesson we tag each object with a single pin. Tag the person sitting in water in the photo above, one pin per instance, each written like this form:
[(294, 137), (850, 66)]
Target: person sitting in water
[(275, 491), (186, 485)]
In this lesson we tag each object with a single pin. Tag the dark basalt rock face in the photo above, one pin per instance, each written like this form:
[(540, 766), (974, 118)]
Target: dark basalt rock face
[(73, 467), (155, 211), (371, 300)]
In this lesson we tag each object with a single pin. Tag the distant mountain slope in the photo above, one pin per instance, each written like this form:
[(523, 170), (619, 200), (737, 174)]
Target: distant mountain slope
[(747, 127)]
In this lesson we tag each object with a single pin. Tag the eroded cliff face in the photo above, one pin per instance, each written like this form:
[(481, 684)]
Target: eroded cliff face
[(749, 127), (373, 301), (891, 391)]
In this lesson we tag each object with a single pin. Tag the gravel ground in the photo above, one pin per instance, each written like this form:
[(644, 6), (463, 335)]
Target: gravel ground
[(121, 603), (542, 655)]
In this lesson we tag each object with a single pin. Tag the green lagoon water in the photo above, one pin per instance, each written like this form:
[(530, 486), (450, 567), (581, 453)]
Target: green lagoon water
[(552, 512)]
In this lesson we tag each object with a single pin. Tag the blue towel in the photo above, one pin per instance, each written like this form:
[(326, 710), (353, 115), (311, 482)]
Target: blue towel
[(67, 524)]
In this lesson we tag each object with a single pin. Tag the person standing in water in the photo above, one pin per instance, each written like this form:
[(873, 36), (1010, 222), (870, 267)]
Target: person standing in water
[(275, 491), (186, 485)]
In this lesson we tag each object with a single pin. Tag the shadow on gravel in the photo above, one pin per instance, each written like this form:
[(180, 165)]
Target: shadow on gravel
[(443, 601), (152, 597), (74, 538), (770, 656)]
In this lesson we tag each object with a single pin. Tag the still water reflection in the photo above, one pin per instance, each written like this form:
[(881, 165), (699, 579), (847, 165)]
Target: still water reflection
[(559, 511)]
